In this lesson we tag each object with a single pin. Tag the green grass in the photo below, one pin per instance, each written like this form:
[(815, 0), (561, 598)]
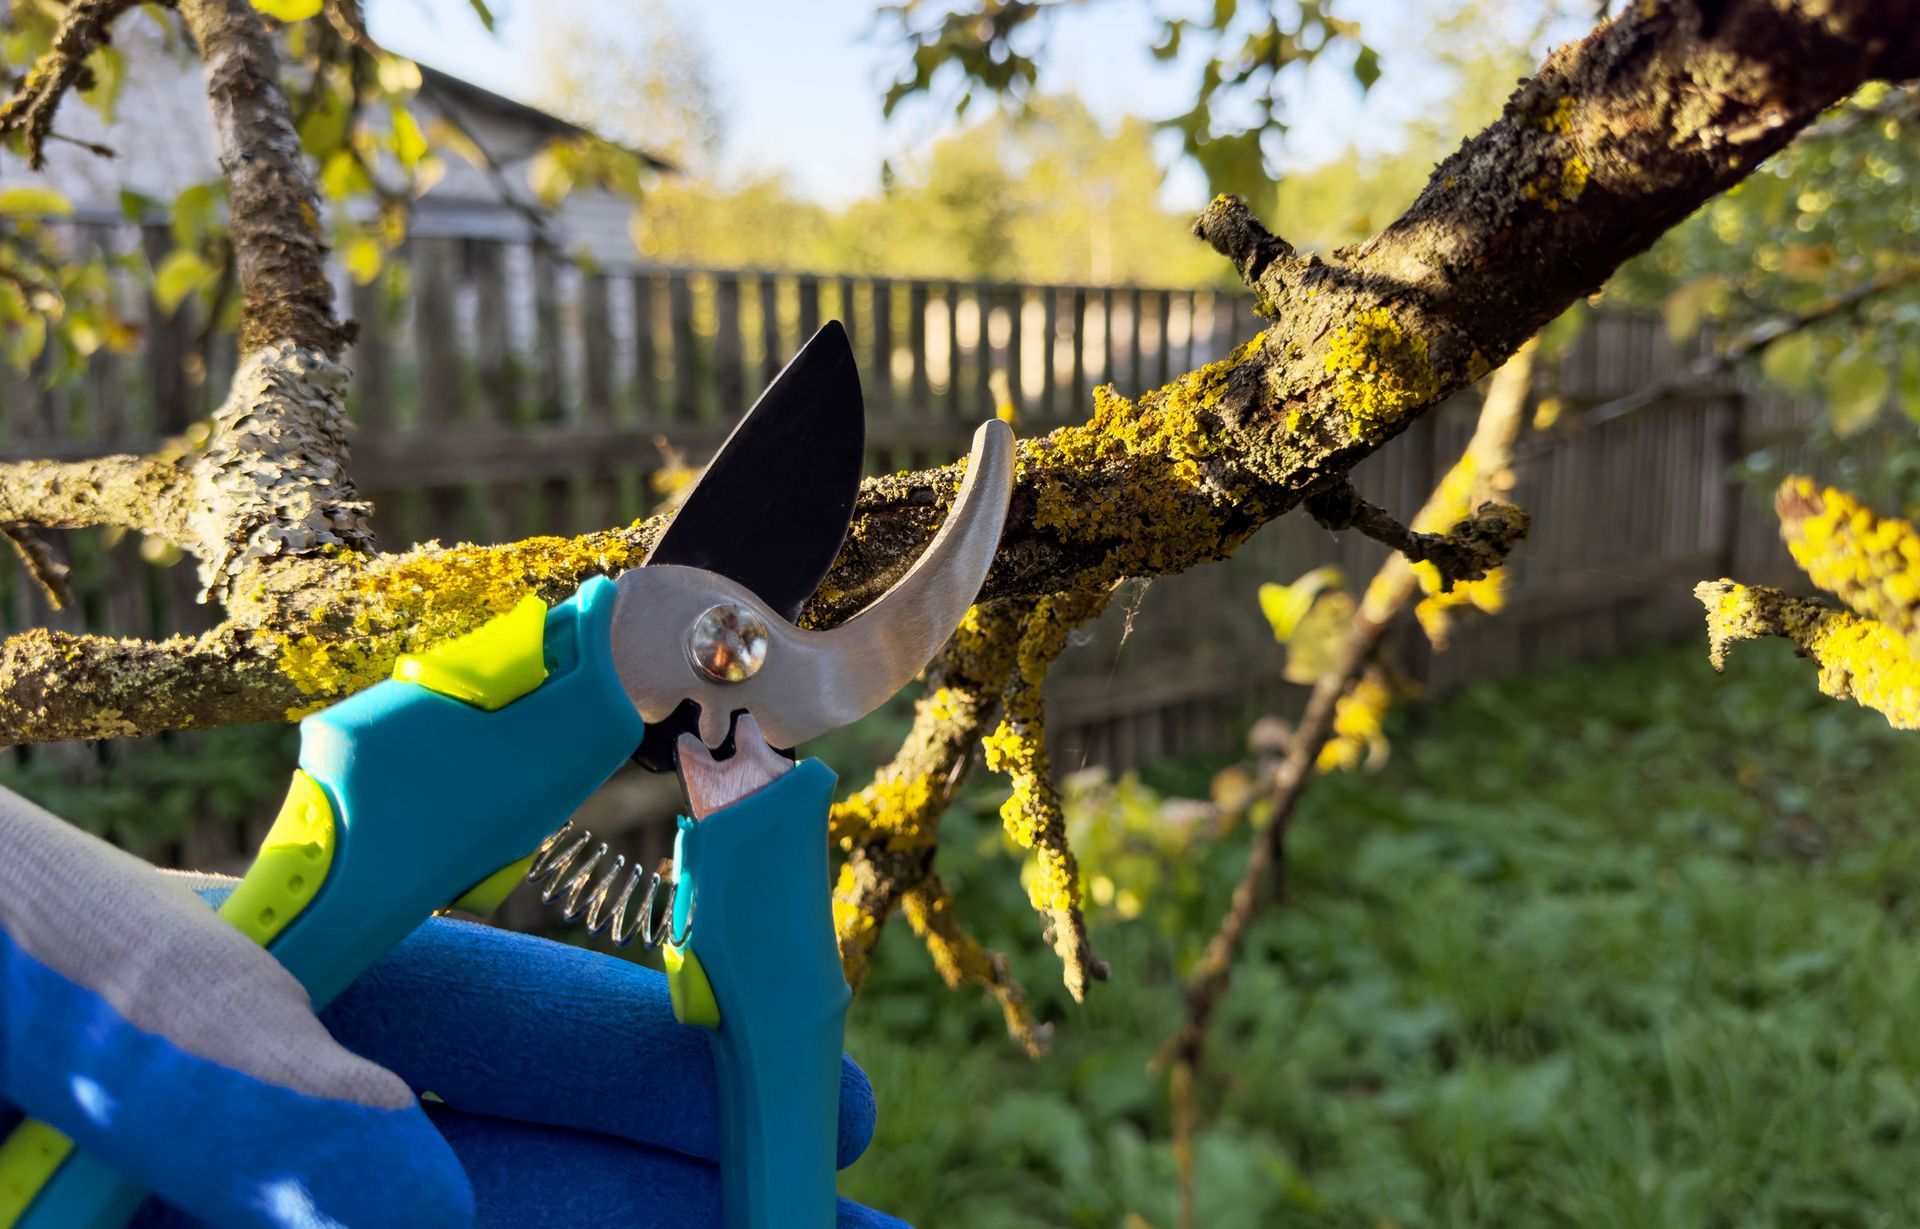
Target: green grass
[(1624, 945)]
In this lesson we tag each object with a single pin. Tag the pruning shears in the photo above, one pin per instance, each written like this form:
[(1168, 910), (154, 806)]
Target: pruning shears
[(430, 789)]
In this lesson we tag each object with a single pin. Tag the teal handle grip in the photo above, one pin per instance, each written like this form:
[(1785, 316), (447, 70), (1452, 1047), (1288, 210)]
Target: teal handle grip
[(429, 796), (755, 903)]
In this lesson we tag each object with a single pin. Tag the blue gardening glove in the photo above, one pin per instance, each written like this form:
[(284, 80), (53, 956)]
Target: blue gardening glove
[(564, 1086), (171, 1047)]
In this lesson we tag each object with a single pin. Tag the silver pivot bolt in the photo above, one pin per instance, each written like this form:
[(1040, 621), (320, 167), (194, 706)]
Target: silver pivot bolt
[(728, 643)]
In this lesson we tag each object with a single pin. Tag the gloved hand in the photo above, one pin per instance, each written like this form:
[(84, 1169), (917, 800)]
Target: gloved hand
[(168, 1045)]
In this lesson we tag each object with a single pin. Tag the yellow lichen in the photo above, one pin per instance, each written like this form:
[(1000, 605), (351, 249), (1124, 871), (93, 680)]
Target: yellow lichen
[(893, 812), (1381, 371), (1359, 718), (1870, 562), (1860, 658), (1171, 510), (1553, 114), (409, 602), (1561, 185), (962, 961), (1435, 611), (1032, 813), (854, 927)]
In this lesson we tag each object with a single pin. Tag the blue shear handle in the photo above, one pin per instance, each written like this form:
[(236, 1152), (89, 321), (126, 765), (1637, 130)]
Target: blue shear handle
[(754, 887), (429, 796)]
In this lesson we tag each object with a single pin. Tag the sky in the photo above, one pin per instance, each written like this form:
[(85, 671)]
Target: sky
[(801, 80)]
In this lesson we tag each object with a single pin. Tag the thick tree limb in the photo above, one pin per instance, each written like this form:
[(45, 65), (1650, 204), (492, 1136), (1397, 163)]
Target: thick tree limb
[(272, 482), (144, 493), (279, 246), (1619, 137)]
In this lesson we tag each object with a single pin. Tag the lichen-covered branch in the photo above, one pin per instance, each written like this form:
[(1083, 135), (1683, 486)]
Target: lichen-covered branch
[(1860, 659), (1473, 547), (962, 961), (144, 493), (889, 830), (272, 480), (1032, 813), (1868, 561), (1619, 136), (35, 99)]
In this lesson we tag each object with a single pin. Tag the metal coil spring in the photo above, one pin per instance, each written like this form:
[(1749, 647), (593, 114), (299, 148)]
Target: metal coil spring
[(555, 861)]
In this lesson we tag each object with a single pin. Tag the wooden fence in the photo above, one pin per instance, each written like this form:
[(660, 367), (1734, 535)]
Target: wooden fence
[(506, 393)]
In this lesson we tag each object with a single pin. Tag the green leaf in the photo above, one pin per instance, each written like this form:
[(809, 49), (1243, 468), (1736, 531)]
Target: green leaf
[(138, 206), (409, 143), (343, 176), (1687, 307), (1286, 605), (1909, 387), (194, 211), (362, 258), (484, 13), (109, 68), (179, 275), (1789, 362), (288, 11), (24, 340), (1366, 67), (398, 75), (34, 200), (549, 174), (1561, 332), (1856, 389)]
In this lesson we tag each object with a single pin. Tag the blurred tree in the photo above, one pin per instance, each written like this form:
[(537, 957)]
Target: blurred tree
[(1045, 195), (957, 52), (1819, 249), (633, 71)]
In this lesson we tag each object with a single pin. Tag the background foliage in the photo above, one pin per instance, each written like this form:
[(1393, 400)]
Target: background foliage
[(1624, 945)]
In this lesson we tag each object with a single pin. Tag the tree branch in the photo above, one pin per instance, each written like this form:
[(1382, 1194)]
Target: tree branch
[(30, 108), (1619, 137), (1476, 475), (145, 493), (1752, 341), (279, 246), (1391, 588), (1467, 551), (43, 567), (1860, 659)]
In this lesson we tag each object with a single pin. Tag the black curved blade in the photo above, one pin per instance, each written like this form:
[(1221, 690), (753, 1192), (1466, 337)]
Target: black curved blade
[(772, 508), (774, 504)]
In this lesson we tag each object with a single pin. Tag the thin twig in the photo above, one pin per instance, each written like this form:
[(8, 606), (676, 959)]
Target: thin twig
[(31, 106), (1391, 589), (1749, 343), (41, 564)]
